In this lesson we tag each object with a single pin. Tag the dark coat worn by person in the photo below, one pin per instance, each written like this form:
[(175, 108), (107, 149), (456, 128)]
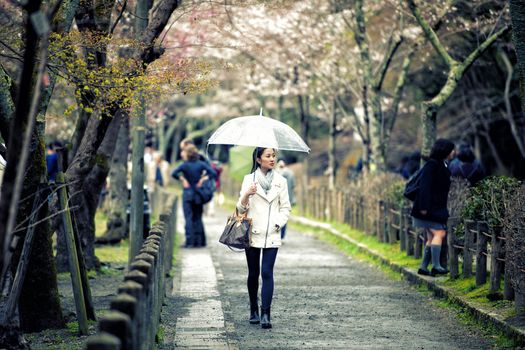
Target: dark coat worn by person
[(433, 192)]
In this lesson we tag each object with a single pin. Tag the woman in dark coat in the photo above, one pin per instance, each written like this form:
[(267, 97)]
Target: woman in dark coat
[(192, 173), (430, 207), (466, 166)]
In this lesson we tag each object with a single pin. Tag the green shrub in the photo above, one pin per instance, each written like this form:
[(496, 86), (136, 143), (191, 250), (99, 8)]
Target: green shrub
[(486, 201)]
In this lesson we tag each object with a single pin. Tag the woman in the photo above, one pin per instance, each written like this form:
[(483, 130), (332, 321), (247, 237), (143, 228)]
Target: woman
[(192, 174), (264, 197), (466, 166), (430, 207)]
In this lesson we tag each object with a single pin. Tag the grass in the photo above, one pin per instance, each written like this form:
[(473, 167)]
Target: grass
[(499, 339)]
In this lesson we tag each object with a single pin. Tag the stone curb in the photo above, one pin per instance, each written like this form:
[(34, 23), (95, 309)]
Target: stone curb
[(514, 332)]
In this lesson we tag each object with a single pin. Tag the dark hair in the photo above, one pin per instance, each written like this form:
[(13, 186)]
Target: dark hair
[(441, 149), (257, 153), (465, 153)]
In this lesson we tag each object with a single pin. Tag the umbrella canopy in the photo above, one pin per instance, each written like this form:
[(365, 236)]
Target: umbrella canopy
[(258, 131)]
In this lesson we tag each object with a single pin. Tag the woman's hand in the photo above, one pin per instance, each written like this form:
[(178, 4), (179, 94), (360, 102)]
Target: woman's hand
[(252, 189), (185, 183), (201, 181), (423, 212)]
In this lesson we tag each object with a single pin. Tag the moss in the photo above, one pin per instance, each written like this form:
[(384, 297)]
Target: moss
[(160, 334), (116, 254), (499, 339)]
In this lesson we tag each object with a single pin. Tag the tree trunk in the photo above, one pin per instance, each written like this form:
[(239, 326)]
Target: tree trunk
[(455, 73), (305, 128), (39, 303), (85, 158), (7, 107), (517, 15), (332, 160), (429, 129), (117, 226)]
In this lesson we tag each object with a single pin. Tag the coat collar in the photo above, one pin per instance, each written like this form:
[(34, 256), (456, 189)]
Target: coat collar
[(274, 191)]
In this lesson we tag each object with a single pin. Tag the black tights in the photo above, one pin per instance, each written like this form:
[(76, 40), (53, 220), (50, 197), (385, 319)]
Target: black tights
[(253, 257)]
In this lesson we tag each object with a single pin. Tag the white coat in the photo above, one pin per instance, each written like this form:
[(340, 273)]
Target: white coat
[(266, 211)]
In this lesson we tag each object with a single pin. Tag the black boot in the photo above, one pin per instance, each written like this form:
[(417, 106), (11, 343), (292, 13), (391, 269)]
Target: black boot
[(265, 318), (254, 315)]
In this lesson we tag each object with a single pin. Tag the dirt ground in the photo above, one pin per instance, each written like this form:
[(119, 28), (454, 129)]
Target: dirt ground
[(103, 285)]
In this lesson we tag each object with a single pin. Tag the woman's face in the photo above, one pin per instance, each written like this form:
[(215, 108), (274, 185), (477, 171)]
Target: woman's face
[(267, 159)]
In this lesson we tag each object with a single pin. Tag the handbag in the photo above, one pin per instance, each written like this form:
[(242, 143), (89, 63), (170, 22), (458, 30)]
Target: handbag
[(237, 232)]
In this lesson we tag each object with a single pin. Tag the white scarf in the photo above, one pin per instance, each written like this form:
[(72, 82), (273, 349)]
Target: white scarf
[(264, 180)]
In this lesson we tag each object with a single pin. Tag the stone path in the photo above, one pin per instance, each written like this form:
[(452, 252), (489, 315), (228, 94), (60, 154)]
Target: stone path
[(323, 300)]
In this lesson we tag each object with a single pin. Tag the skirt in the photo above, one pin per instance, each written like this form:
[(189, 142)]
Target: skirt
[(428, 224)]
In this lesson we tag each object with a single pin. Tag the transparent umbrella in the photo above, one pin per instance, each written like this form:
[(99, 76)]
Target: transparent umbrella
[(258, 131)]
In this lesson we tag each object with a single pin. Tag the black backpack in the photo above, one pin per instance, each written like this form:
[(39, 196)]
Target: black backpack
[(204, 194), (412, 186)]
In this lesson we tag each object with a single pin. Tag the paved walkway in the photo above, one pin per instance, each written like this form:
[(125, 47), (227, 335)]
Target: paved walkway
[(323, 299)]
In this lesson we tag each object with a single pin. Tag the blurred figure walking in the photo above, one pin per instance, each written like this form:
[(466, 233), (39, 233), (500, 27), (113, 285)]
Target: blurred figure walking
[(190, 174)]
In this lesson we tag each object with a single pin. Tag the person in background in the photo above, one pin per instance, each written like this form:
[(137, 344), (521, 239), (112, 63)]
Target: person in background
[(190, 174), (430, 206), (186, 142), (264, 199), (161, 169), (288, 174), (411, 165), (210, 207), (52, 162), (466, 166)]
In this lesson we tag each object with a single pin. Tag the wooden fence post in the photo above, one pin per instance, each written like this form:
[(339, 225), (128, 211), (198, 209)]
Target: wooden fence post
[(379, 220), (128, 305), (411, 240), (496, 265), (146, 268), (119, 325), (419, 240), (140, 278), (453, 250), (402, 229), (103, 341), (385, 223), (481, 253), (467, 249), (74, 267)]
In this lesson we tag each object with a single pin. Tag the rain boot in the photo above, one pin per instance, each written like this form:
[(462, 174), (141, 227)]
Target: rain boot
[(265, 318), (437, 269), (254, 314), (423, 268)]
